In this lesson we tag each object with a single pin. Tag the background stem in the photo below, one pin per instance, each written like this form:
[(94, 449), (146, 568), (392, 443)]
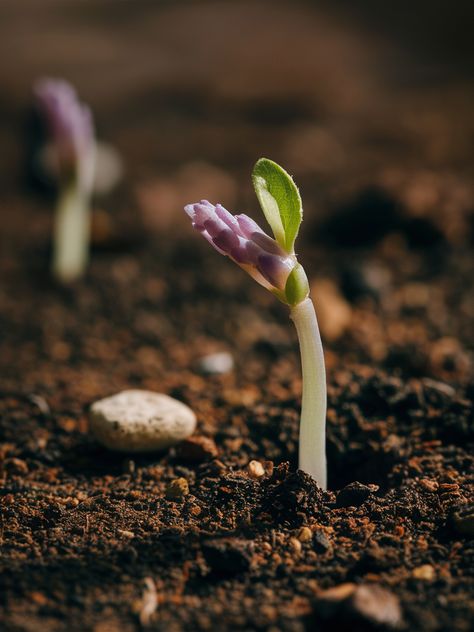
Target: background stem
[(312, 445), (71, 234)]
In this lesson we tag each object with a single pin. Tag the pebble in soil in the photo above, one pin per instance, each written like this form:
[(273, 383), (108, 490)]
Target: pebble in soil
[(140, 421)]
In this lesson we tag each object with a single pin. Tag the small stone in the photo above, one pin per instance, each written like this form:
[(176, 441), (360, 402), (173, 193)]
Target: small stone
[(354, 494), (295, 546), (216, 363), (141, 421), (197, 449), (305, 534), (463, 521), (377, 605), (178, 488), (255, 469), (367, 602), (425, 572), (228, 555), (321, 542)]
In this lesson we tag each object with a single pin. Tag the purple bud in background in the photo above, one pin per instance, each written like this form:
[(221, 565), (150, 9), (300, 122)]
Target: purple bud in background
[(70, 127), (241, 239)]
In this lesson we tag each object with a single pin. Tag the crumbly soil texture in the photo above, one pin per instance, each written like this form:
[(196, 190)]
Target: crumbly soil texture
[(223, 532)]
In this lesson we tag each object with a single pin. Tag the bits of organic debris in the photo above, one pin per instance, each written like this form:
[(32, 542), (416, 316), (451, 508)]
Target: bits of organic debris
[(429, 484), (16, 466), (255, 469), (177, 489), (354, 494), (149, 602), (126, 534), (197, 449), (336, 594)]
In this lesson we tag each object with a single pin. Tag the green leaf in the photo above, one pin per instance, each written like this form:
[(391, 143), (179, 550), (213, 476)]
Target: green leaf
[(280, 201)]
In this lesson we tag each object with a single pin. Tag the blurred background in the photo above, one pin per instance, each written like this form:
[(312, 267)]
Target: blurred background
[(368, 105)]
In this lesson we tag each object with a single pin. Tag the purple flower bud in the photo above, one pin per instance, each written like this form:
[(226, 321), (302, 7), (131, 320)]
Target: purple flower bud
[(247, 226), (268, 244), (70, 126), (227, 241), (228, 218), (241, 239), (275, 269)]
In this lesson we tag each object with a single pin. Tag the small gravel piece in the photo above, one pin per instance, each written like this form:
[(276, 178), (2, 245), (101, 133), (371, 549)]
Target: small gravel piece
[(425, 572), (178, 488), (197, 449), (216, 363), (141, 421), (321, 542), (255, 469), (354, 494), (295, 546), (351, 604), (227, 555), (305, 534)]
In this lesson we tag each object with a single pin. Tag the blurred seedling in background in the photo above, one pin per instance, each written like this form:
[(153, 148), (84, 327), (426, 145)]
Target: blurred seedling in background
[(272, 262), (78, 165), (72, 151)]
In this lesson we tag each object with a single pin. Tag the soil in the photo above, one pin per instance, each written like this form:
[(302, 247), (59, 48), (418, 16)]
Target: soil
[(199, 538)]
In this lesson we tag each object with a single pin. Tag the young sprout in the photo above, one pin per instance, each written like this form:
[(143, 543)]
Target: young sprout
[(72, 146), (273, 264)]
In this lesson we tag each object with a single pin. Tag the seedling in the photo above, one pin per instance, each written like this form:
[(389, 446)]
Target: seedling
[(72, 146), (273, 264)]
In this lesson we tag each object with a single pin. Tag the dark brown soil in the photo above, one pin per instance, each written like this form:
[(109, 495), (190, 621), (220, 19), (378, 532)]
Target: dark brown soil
[(92, 540)]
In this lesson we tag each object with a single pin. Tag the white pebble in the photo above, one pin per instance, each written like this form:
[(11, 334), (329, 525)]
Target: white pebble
[(216, 363), (140, 421)]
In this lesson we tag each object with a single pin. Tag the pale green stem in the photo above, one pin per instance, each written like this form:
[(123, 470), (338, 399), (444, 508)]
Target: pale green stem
[(312, 448), (71, 234)]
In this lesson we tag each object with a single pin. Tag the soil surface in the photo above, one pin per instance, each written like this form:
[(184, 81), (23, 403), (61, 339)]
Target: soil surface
[(200, 538)]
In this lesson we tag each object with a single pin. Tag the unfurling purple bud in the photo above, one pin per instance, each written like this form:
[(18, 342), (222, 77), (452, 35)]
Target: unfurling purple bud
[(228, 218), (241, 239), (275, 269), (227, 240), (247, 226), (70, 126), (268, 244)]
